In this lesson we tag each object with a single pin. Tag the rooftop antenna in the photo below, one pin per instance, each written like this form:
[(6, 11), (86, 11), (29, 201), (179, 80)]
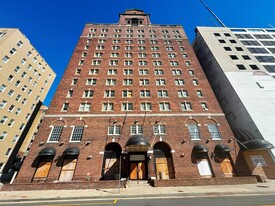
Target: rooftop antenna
[(216, 17)]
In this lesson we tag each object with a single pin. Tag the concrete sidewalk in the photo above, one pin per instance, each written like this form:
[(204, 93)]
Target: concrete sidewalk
[(140, 191)]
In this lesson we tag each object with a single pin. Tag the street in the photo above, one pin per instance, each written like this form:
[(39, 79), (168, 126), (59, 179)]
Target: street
[(255, 200)]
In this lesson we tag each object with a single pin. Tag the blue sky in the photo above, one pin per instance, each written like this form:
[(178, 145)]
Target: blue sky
[(54, 26)]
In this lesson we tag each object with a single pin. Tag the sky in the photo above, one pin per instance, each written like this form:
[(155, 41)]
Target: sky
[(54, 26)]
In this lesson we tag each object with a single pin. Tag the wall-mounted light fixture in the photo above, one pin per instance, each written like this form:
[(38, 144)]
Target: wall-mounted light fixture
[(182, 155), (41, 143), (89, 157), (184, 141), (136, 121), (61, 143), (87, 143), (207, 141), (229, 140)]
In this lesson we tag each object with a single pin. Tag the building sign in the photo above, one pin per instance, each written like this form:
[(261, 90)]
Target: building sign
[(258, 160)]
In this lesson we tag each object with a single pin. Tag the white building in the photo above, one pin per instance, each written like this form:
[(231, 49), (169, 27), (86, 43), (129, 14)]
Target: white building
[(240, 66)]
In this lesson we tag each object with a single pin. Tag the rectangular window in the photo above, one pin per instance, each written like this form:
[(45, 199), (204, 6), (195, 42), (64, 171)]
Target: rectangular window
[(194, 131), (114, 130), (136, 129), (143, 72), (8, 151), (164, 106), (65, 107), (109, 93), (108, 106), (77, 134), (110, 82), (186, 106), (3, 120), (84, 107), (145, 106), (182, 93), (127, 71), (179, 82), (88, 93), (127, 93), (3, 87), (5, 59), (162, 93), (159, 129), (144, 93), (174, 63), (144, 82), (112, 72), (3, 104), (160, 82), (127, 106), (114, 55), (91, 82), (3, 135), (127, 82), (55, 134), (158, 72)]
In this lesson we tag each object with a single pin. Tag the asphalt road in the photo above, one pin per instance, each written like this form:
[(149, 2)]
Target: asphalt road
[(255, 200)]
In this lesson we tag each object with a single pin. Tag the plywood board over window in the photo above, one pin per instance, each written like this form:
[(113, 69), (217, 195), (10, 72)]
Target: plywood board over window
[(68, 168), (43, 169)]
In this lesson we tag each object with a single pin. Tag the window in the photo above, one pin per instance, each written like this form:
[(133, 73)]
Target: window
[(84, 107), (204, 106), (169, 48), (143, 72), (91, 82), (142, 55), (214, 131), (13, 51), (55, 133), (116, 41), (8, 151), (265, 58), (227, 49), (246, 57), (239, 48), (17, 83), (128, 41), (174, 63), (127, 82), (158, 72), (241, 67), (114, 130), (227, 34), (65, 107), (162, 93), (3, 120), (100, 47), (244, 36), (127, 93), (22, 126), (98, 54), (254, 67), (217, 34), (186, 106), (127, 106), (93, 71), (199, 93), (144, 93), (109, 93), (255, 43), (23, 61), (128, 55), (128, 48), (141, 47), (232, 41), (17, 69), (159, 129), (20, 43), (144, 82), (155, 55), (179, 82), (194, 131), (127, 71), (154, 48), (70, 93), (145, 106), (88, 94), (108, 106), (164, 106), (81, 62), (182, 93), (10, 93), (221, 41), (74, 81), (195, 82), (3, 135), (3, 104), (110, 82), (112, 71), (96, 62), (128, 62), (176, 72), (113, 62), (160, 82), (3, 87), (172, 55), (157, 63), (77, 134), (258, 50), (11, 123), (15, 138), (5, 59), (142, 63), (136, 129)]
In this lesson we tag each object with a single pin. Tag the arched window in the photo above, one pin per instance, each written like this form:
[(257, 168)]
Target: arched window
[(163, 161), (110, 167), (193, 129)]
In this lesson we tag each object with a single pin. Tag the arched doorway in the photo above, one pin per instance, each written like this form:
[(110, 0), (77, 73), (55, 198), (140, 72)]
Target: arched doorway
[(164, 167), (111, 161)]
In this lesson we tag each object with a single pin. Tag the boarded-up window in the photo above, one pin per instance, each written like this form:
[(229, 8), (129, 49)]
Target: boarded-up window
[(43, 169), (68, 168), (204, 168)]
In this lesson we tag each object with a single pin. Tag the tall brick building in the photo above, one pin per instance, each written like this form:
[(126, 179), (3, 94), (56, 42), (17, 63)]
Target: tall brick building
[(133, 103)]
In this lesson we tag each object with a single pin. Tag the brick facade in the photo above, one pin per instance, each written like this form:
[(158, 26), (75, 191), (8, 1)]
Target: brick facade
[(172, 148)]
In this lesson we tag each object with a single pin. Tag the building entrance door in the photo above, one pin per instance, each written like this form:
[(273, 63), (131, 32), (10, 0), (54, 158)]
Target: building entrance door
[(137, 167), (227, 167)]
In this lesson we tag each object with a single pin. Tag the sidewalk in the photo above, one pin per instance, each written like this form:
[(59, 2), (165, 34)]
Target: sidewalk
[(140, 191)]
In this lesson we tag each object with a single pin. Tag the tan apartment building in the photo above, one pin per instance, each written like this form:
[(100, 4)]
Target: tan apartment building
[(25, 79)]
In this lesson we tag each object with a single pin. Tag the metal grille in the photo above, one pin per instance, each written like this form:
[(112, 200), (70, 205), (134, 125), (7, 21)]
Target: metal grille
[(194, 131), (214, 132)]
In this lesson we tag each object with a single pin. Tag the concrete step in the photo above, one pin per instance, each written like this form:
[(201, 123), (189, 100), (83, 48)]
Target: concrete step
[(137, 183)]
